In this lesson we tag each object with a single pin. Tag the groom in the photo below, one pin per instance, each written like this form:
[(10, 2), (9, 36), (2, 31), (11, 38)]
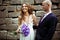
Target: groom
[(47, 25)]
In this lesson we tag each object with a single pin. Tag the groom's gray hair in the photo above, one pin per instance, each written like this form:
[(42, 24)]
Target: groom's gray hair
[(48, 2)]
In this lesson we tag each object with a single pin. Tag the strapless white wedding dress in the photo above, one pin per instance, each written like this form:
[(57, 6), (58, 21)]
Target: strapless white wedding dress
[(31, 34)]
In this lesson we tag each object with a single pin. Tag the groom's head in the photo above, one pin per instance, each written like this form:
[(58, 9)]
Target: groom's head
[(46, 5)]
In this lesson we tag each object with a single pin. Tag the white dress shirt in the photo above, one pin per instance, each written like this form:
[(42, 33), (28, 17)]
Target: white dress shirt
[(45, 15)]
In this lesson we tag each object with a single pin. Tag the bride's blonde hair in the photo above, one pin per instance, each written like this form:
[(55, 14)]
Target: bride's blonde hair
[(30, 11)]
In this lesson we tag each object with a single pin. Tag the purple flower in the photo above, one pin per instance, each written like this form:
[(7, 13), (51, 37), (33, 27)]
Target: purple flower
[(25, 30)]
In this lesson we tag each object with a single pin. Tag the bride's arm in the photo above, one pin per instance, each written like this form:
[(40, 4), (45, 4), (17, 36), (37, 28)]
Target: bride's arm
[(19, 25), (35, 20)]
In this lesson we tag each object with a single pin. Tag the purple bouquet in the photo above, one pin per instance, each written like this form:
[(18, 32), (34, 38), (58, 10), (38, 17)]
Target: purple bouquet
[(25, 30)]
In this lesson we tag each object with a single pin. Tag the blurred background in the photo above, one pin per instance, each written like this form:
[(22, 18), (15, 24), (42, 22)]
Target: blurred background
[(9, 16)]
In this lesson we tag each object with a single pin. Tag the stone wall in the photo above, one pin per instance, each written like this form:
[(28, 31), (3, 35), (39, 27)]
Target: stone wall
[(8, 16)]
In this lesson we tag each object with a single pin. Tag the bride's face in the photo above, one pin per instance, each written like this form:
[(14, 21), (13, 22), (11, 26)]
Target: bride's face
[(25, 8)]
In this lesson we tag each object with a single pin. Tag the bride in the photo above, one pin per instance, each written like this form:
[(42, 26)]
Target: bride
[(28, 18)]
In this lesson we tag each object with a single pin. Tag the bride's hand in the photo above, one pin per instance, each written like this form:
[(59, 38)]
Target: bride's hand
[(17, 31)]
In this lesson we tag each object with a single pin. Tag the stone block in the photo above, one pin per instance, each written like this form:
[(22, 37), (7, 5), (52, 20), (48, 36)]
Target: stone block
[(11, 20), (0, 2), (2, 8), (6, 2), (58, 27), (13, 14), (3, 34), (2, 21), (55, 1), (11, 35), (59, 5), (54, 6), (58, 19), (15, 20), (38, 7), (56, 35), (3, 27), (56, 12), (11, 27), (7, 35), (15, 2), (40, 13), (11, 8), (8, 20), (27, 1), (38, 1), (3, 14)]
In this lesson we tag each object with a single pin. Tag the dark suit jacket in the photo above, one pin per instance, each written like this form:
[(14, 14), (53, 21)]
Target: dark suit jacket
[(46, 28)]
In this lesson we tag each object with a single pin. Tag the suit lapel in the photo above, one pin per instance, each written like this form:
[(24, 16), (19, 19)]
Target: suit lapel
[(45, 18)]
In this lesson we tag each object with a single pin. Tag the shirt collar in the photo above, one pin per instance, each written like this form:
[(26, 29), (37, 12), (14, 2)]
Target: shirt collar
[(48, 12)]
